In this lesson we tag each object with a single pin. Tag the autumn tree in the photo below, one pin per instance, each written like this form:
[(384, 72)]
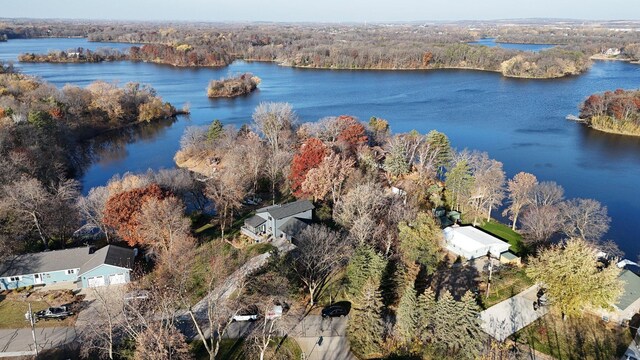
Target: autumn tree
[(162, 342), (521, 193), (329, 177), (584, 218), (353, 133), (308, 157), (167, 233), (122, 211), (574, 277), (320, 252), (421, 241)]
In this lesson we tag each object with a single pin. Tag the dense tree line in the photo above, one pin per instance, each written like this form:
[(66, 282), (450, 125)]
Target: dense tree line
[(613, 111), (399, 46), (79, 55)]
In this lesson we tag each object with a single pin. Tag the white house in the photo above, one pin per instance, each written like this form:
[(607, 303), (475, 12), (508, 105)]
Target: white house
[(629, 302), (471, 243)]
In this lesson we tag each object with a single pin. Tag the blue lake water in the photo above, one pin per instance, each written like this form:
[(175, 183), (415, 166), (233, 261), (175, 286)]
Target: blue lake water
[(519, 122), (491, 42)]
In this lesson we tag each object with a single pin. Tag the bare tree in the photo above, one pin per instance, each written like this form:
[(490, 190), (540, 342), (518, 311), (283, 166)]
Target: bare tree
[(488, 187), (275, 121), (548, 193), (226, 188), (275, 167), (319, 254), (364, 199), (102, 335), (539, 223), (584, 218), (328, 177), (91, 207), (521, 193)]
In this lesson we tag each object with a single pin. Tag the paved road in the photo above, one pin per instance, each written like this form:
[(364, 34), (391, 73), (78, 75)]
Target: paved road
[(325, 348), (507, 317), (19, 342)]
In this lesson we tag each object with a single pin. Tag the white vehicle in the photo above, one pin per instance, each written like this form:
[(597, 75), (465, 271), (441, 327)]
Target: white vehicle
[(253, 317)]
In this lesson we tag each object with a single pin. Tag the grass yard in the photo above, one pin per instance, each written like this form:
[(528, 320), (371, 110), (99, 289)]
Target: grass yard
[(505, 233), (507, 282), (12, 312), (581, 338)]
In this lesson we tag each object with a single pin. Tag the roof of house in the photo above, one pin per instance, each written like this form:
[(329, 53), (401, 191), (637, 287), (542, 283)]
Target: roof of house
[(293, 226), (110, 255), (509, 255), (286, 210), (631, 291), (255, 221), (471, 239), (57, 260)]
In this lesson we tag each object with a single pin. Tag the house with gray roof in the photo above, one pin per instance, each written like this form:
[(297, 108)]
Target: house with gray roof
[(78, 267), (629, 302), (279, 221)]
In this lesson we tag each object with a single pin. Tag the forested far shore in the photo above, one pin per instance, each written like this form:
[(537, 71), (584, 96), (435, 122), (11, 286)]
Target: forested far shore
[(615, 112), (378, 46)]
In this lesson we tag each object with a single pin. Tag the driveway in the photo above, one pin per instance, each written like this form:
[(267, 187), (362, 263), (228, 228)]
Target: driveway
[(19, 342), (511, 315)]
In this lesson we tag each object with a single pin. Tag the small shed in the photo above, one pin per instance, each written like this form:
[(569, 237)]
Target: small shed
[(510, 258)]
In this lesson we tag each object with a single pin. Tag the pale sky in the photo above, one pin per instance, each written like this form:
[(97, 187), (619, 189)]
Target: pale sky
[(320, 10)]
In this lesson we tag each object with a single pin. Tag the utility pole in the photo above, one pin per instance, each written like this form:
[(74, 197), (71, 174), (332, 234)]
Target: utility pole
[(490, 272), (33, 329)]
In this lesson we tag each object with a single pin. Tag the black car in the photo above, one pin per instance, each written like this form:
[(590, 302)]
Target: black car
[(58, 313), (337, 310)]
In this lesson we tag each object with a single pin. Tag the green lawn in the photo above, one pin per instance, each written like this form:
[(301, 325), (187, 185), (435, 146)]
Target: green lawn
[(505, 233), (575, 338), (507, 282), (12, 314)]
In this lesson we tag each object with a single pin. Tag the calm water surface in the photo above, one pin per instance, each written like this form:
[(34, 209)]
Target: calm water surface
[(519, 122), (491, 42)]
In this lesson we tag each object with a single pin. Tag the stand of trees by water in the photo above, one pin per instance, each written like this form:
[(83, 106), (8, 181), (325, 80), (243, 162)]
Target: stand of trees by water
[(400, 46), (41, 128), (233, 86), (613, 111), (78, 55)]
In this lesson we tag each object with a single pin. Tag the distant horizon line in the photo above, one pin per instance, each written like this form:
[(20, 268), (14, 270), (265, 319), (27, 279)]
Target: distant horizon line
[(378, 22)]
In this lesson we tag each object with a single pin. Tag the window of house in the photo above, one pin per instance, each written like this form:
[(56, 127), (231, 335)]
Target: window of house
[(71, 271), (15, 278)]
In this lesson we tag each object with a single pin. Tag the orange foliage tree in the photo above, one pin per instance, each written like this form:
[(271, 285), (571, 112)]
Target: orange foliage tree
[(122, 211), (353, 134), (308, 157)]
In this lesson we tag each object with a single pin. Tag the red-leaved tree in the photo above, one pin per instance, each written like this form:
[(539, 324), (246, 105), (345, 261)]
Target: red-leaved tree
[(308, 157), (353, 133), (122, 211)]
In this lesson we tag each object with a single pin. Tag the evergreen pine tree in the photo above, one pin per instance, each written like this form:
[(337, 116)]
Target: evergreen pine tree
[(458, 184), (440, 142), (366, 328), (365, 264), (407, 316), (396, 161), (425, 312), (215, 130)]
